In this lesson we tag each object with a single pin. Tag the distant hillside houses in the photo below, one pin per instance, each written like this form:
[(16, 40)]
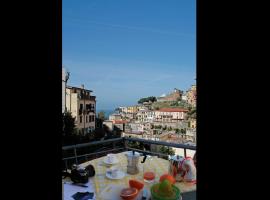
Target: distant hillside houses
[(176, 95), (147, 115), (191, 95), (170, 114)]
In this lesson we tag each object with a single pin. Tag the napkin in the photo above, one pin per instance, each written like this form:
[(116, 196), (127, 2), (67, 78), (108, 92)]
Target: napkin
[(83, 196)]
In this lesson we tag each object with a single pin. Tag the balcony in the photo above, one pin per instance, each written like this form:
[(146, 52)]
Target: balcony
[(87, 97), (86, 111), (82, 153)]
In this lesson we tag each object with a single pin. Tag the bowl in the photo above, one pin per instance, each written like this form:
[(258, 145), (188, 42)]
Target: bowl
[(129, 193), (156, 196)]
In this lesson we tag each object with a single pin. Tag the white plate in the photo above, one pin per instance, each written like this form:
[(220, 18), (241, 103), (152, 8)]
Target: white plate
[(106, 161), (120, 175)]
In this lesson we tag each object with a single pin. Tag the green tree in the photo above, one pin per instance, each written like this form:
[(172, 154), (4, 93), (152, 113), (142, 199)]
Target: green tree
[(167, 150), (68, 124), (136, 145), (151, 98), (164, 128), (170, 128), (101, 115), (183, 132)]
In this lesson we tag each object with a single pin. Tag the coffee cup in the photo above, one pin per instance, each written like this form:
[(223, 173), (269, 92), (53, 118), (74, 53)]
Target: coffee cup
[(114, 171), (111, 158)]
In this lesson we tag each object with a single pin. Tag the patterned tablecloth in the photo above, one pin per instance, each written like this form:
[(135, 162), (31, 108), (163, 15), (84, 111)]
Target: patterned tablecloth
[(101, 181)]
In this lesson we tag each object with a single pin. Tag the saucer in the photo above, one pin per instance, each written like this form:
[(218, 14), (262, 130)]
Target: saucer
[(120, 175)]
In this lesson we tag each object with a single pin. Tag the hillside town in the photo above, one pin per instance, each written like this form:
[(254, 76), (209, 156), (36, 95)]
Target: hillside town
[(129, 100), (170, 118)]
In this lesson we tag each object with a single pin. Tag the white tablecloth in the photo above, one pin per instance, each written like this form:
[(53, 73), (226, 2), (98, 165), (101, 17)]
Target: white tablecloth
[(70, 189)]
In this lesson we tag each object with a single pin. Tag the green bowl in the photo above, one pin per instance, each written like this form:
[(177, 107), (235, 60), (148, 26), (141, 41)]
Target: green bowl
[(156, 196)]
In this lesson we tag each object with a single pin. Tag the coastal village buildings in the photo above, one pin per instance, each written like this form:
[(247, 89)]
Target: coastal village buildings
[(82, 106), (176, 95), (192, 95), (145, 116), (134, 127), (170, 114), (166, 123), (115, 124), (123, 109), (109, 124), (132, 109), (115, 117), (192, 123)]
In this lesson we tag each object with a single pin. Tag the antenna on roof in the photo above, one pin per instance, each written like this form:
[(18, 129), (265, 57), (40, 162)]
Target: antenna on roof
[(67, 76)]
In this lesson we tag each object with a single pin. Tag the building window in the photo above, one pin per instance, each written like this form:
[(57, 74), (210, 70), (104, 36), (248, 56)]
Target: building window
[(81, 109), (80, 119), (86, 119)]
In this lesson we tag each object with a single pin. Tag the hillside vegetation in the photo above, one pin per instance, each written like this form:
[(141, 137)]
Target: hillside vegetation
[(171, 104)]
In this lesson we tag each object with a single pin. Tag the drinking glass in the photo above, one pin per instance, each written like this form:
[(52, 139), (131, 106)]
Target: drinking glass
[(149, 172)]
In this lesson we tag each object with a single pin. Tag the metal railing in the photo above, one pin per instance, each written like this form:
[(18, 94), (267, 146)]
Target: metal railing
[(124, 141)]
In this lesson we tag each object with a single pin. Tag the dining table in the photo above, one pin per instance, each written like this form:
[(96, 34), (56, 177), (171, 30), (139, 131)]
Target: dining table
[(104, 188)]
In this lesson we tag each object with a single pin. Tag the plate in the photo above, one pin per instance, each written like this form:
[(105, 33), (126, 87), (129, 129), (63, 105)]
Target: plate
[(120, 175), (106, 161)]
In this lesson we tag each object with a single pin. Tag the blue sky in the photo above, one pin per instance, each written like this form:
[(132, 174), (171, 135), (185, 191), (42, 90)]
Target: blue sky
[(124, 50)]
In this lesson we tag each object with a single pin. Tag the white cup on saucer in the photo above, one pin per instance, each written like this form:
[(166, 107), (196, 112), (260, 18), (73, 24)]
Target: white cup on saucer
[(111, 158), (114, 171)]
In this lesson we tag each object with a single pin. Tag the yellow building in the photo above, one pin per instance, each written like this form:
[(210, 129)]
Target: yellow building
[(192, 123), (132, 109), (192, 95), (83, 107)]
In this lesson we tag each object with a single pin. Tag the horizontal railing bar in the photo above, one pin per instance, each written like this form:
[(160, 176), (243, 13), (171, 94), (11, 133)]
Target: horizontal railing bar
[(149, 152), (89, 154), (91, 143), (182, 146)]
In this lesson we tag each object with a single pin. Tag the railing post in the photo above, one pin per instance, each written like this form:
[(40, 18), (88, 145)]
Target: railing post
[(185, 152), (125, 144), (75, 154), (66, 164), (113, 145)]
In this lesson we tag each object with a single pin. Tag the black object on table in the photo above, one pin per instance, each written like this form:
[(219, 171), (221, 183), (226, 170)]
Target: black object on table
[(83, 196)]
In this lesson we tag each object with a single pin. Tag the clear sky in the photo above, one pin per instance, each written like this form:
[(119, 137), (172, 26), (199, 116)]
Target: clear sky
[(124, 50)]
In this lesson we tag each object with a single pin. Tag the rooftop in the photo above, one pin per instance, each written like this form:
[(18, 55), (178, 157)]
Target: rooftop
[(172, 110), (77, 88), (119, 121)]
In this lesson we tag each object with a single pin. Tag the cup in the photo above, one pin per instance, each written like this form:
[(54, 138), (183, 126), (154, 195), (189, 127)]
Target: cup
[(114, 171), (111, 158)]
